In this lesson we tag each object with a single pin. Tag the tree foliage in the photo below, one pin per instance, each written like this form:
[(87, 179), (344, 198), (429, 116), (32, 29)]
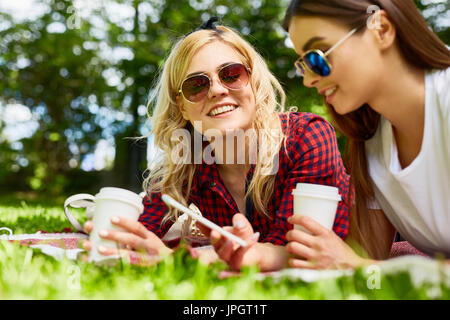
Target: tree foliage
[(87, 77)]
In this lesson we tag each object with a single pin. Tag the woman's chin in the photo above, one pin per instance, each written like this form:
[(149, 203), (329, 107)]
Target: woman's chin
[(344, 109)]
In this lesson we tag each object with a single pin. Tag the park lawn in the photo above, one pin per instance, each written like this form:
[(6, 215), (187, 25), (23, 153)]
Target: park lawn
[(27, 273)]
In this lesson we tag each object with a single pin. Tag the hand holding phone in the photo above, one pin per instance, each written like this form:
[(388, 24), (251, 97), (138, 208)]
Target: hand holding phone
[(173, 203)]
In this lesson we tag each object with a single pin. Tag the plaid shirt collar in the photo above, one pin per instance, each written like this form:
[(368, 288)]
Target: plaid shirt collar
[(209, 174)]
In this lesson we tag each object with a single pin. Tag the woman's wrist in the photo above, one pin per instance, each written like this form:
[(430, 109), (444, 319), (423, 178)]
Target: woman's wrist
[(364, 262), (270, 257), (164, 250)]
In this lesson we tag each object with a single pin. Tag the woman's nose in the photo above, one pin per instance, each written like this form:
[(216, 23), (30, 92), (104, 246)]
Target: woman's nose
[(216, 88), (310, 79)]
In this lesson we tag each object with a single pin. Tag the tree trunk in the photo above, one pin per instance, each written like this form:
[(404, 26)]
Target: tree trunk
[(131, 154)]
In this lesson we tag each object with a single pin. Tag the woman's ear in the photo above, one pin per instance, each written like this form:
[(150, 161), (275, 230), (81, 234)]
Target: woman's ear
[(382, 28), (179, 101)]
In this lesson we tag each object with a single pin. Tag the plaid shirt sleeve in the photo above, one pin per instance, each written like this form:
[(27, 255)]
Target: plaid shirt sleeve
[(312, 157), (154, 211)]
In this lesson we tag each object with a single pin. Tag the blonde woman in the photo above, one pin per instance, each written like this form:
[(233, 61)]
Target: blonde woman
[(214, 90)]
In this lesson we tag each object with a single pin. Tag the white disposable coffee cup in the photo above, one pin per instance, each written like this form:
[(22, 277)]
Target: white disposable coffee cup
[(316, 201), (107, 203)]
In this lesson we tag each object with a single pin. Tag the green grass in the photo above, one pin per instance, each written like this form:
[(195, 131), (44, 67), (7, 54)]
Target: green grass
[(27, 273)]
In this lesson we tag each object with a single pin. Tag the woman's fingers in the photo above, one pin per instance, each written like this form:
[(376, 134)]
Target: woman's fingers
[(138, 236), (301, 250), (143, 259), (238, 257), (134, 237), (107, 251), (226, 250), (242, 227), (303, 264), (132, 226), (300, 236), (139, 258), (86, 244), (88, 226), (131, 240), (223, 246), (207, 255), (309, 223), (322, 249), (217, 240), (133, 257)]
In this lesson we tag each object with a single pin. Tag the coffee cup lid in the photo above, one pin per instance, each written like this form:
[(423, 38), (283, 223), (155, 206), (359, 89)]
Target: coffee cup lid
[(121, 194), (319, 190)]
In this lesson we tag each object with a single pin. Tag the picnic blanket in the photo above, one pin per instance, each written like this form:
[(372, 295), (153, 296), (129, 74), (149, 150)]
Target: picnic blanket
[(68, 243), (58, 245), (403, 248)]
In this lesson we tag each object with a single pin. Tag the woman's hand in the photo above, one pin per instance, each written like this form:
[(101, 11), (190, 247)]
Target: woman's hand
[(136, 242), (233, 254), (322, 249)]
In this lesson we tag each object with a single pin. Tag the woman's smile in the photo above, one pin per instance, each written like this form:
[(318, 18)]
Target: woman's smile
[(222, 111)]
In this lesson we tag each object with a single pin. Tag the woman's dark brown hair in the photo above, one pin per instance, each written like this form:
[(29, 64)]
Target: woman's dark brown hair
[(419, 46)]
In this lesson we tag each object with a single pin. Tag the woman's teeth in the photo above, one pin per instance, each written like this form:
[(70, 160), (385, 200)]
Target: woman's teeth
[(220, 110), (329, 92)]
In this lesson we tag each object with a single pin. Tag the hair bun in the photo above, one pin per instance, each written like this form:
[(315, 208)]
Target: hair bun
[(210, 24)]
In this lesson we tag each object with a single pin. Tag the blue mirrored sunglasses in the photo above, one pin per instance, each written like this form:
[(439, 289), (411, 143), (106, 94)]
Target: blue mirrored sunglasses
[(316, 61)]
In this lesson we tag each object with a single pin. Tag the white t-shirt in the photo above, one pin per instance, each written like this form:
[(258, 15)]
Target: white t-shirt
[(416, 199)]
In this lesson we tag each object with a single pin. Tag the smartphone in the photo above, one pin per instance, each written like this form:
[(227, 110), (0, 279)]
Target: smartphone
[(207, 223)]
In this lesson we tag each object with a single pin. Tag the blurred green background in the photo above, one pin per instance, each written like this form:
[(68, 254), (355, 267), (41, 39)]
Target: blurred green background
[(75, 78)]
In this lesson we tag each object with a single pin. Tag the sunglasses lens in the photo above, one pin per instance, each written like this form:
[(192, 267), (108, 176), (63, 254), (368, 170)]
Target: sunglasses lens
[(234, 76), (317, 64), (195, 88)]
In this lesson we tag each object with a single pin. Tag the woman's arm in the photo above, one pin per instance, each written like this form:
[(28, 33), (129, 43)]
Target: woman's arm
[(154, 211), (135, 240), (273, 257), (324, 250), (312, 157), (267, 256)]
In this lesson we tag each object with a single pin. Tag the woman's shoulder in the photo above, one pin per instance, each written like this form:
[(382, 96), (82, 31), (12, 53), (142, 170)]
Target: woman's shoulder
[(438, 89), (299, 122), (440, 78), (305, 131)]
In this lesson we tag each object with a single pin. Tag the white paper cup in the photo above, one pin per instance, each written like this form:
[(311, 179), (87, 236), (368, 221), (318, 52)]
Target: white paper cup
[(316, 201), (107, 203), (111, 202)]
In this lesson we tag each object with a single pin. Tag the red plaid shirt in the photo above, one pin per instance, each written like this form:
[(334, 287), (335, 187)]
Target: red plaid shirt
[(312, 157)]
